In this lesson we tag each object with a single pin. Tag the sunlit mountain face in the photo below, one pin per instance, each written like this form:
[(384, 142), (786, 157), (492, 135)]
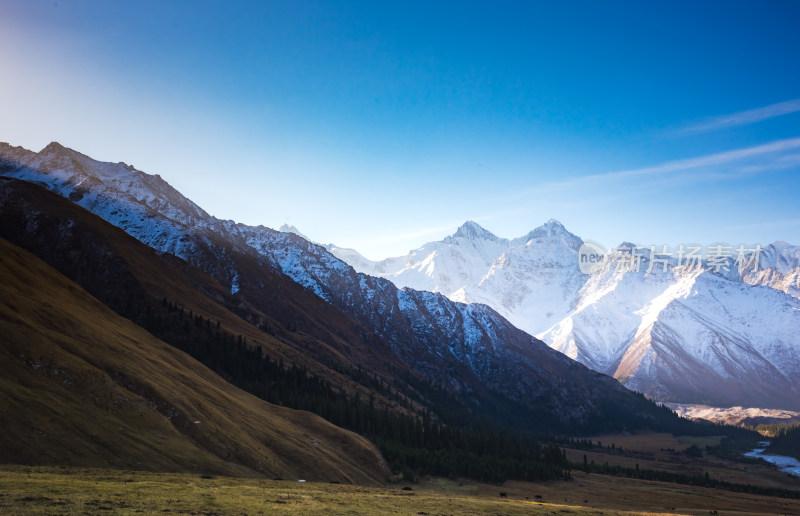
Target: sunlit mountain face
[(717, 331)]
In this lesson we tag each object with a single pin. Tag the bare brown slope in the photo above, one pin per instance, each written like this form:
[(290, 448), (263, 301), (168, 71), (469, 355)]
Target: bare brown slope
[(80, 385)]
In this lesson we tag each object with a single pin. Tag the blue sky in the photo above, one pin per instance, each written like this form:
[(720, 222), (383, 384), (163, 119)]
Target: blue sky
[(382, 125)]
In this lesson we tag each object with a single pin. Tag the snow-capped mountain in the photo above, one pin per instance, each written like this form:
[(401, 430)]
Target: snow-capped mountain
[(686, 334), (287, 228), (515, 277), (471, 349), (674, 332), (147, 205), (778, 267)]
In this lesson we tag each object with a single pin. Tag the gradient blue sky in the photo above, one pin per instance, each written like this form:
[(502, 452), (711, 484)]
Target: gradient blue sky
[(382, 125)]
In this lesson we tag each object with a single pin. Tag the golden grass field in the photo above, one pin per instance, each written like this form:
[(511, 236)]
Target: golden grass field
[(49, 490)]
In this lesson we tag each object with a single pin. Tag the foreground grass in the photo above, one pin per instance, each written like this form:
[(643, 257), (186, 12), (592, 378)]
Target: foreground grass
[(26, 490)]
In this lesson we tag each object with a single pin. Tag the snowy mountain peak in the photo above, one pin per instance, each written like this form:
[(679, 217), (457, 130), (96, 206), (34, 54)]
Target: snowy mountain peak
[(473, 231), (673, 335), (551, 231), (552, 228), (781, 256), (288, 228), (54, 148), (117, 192)]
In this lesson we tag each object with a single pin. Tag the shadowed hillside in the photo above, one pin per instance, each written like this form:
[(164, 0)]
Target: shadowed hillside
[(83, 386)]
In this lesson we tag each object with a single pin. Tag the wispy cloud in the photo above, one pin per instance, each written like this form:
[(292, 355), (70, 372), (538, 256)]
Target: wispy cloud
[(741, 118), (654, 180), (710, 160)]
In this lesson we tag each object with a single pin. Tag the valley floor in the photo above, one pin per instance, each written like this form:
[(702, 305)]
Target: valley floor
[(665, 452), (49, 490)]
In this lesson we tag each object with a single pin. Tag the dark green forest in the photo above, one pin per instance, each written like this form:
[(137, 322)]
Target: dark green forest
[(786, 441)]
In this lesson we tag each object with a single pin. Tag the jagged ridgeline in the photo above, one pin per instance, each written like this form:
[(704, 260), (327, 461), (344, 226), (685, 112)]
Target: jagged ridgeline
[(441, 387), (678, 333), (412, 438)]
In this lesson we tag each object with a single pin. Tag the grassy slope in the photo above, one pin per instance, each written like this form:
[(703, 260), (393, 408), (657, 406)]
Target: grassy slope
[(81, 491), (80, 385)]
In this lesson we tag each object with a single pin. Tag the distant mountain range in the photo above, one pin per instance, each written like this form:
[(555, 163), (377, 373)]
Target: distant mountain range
[(410, 351), (676, 333)]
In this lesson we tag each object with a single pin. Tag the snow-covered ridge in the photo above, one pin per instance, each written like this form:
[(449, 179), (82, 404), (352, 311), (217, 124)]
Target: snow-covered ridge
[(778, 267), (286, 228), (145, 205), (735, 415), (675, 332), (438, 336)]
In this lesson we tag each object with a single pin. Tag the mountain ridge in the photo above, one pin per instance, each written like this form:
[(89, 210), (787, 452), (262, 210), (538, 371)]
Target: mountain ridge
[(158, 215), (535, 282), (469, 349)]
